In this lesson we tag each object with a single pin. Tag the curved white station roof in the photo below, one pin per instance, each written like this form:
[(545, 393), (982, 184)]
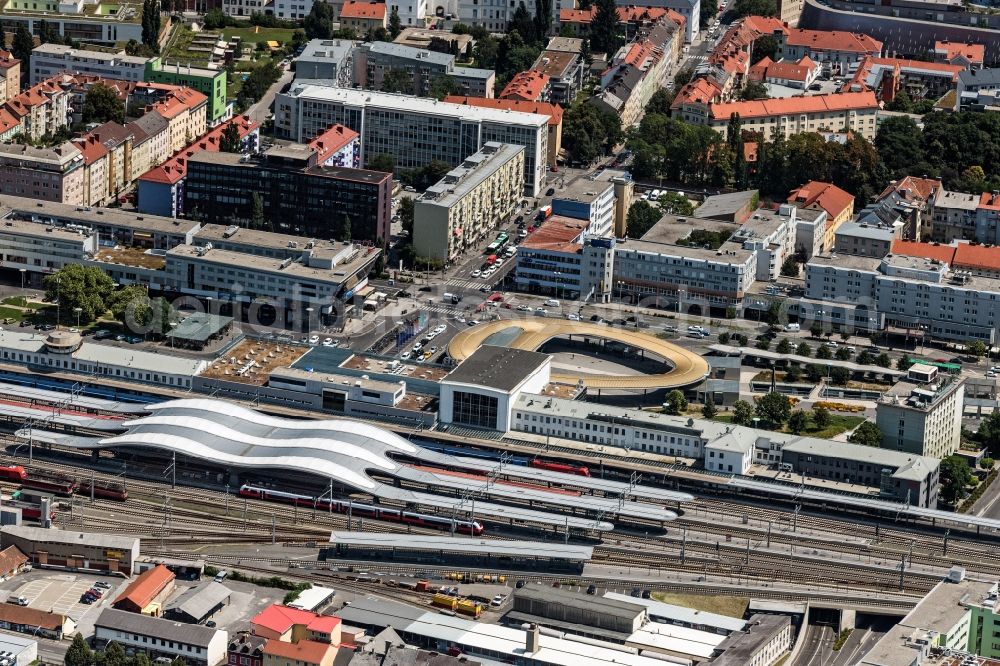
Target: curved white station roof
[(227, 433)]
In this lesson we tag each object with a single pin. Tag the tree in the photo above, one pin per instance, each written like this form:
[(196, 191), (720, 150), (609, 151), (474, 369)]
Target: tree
[(676, 403), (843, 354), (77, 286), (214, 19), (866, 358), (257, 83), (395, 25), (641, 218), (774, 408), (824, 353), (803, 349), (101, 104), (178, 661), (22, 45), (839, 376), (78, 653), (814, 373), (543, 18), (724, 337), (798, 422), (763, 343), (821, 417), (486, 51), (114, 655), (988, 433), (866, 434), (151, 24), (784, 346), (589, 132), (883, 360), (977, 348), (675, 203), (754, 90), (898, 142), (709, 8), (382, 162), (230, 141), (816, 329), (764, 46), (774, 314), (708, 410), (604, 36), (790, 267), (397, 81), (742, 413), (405, 211), (140, 659), (755, 7), (987, 463), (256, 211), (442, 86), (955, 477), (131, 306), (319, 23), (793, 374), (345, 229)]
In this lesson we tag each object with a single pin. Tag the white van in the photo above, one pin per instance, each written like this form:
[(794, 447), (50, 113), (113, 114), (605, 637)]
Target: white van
[(447, 297), (552, 303), (221, 576), (793, 328)]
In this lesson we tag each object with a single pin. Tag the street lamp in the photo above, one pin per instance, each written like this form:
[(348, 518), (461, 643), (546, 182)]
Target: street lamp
[(309, 316), (78, 310), (23, 271)]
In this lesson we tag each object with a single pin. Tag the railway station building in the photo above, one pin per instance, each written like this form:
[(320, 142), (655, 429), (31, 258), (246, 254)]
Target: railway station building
[(74, 551)]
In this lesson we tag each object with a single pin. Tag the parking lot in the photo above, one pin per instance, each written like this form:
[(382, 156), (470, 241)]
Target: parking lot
[(60, 592)]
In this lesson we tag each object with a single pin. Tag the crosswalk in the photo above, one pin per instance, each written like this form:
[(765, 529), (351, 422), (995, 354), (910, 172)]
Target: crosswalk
[(465, 284)]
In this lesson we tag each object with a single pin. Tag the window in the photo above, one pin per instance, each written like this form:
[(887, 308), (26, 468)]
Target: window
[(475, 410)]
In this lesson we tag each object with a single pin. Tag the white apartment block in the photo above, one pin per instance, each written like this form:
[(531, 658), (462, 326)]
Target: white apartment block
[(292, 10), (953, 216), (923, 418), (50, 59), (413, 130), (461, 210), (411, 12), (562, 259), (40, 248)]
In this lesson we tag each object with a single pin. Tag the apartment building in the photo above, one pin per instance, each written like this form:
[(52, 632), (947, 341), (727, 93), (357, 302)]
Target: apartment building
[(186, 113), (209, 82), (41, 109), (46, 174), (49, 60), (75, 19), (363, 16), (462, 209), (690, 10), (590, 199), (887, 77), (837, 51), (852, 111), (10, 76), (411, 12), (921, 416), (561, 259), (150, 143), (798, 74), (952, 216), (527, 86), (827, 197), (413, 130), (563, 72), (160, 189), (156, 637), (961, 256), (299, 193), (970, 56), (373, 60), (631, 18), (38, 248)]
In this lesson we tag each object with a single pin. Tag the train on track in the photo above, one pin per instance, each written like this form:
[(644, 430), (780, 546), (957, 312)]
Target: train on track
[(363, 510), (104, 490), (523, 461), (29, 511), (60, 484)]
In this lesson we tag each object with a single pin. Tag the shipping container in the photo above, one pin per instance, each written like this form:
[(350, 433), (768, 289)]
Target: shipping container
[(444, 601)]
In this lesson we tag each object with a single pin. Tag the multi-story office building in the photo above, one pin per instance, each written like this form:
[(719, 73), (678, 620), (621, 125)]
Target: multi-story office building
[(837, 51), (298, 194), (327, 59), (564, 71), (413, 130), (913, 293), (50, 59), (922, 414), (867, 239), (561, 259), (463, 208), (411, 12), (827, 197), (553, 111), (47, 174), (589, 199), (38, 248), (76, 19), (374, 60)]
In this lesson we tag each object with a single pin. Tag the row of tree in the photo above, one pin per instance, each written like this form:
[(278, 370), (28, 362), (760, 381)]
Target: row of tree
[(80, 654)]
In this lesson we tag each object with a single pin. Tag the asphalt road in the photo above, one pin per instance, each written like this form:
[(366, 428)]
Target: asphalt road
[(816, 650), (258, 110)]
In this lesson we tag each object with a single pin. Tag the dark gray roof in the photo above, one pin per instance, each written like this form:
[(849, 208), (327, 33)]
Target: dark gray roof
[(51, 535), (980, 77), (199, 601), (200, 326), (409, 656), (135, 623), (740, 647), (724, 205), (595, 604), (499, 368)]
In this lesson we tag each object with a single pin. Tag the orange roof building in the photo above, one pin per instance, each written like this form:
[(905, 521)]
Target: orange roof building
[(283, 623), (838, 205), (793, 115), (302, 653), (363, 16), (527, 86), (969, 56), (797, 42), (10, 75), (792, 74), (337, 139), (557, 234), (981, 260), (147, 592)]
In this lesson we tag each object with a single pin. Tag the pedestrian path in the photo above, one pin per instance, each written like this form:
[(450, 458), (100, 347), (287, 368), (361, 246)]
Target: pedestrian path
[(467, 284)]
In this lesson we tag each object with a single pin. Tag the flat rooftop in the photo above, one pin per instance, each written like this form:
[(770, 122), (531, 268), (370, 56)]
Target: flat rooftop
[(498, 368), (219, 234), (276, 265), (470, 174), (583, 189), (475, 546), (410, 104), (556, 234), (36, 230), (722, 205), (267, 357), (131, 256), (40, 211)]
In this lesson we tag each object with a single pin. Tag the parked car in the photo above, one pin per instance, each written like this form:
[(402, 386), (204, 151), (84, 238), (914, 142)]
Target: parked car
[(497, 600)]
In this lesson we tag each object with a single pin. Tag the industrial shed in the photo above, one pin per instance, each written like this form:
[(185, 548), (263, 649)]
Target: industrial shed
[(198, 604)]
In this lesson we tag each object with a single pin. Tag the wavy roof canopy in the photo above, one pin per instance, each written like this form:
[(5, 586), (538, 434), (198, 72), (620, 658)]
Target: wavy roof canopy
[(225, 432)]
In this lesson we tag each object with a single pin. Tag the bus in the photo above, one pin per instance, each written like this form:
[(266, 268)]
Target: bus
[(953, 368), (499, 244)]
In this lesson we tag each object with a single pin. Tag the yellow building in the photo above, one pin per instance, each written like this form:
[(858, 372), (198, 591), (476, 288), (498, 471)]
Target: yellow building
[(302, 653), (850, 111)]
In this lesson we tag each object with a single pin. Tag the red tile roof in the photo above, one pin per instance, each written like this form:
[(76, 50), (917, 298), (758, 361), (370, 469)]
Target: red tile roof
[(184, 99), (943, 253), (989, 201), (826, 196), (977, 256), (332, 140), (750, 149), (11, 559), (553, 111), (8, 121), (279, 619), (912, 189), (793, 105), (141, 591), (41, 93), (91, 147), (783, 69), (833, 40), (557, 234), (528, 86), (629, 14), (7, 60), (30, 617), (175, 168), (951, 51), (704, 90), (307, 652), (363, 10)]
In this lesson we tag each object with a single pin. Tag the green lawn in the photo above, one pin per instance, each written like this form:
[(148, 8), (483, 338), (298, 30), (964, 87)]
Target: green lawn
[(256, 34)]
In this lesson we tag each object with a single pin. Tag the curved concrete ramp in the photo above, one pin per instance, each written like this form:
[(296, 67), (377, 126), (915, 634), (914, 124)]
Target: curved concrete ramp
[(688, 367)]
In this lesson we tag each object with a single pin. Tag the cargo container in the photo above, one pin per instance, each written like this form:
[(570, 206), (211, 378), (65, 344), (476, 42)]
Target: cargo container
[(444, 601), (470, 608), (423, 586)]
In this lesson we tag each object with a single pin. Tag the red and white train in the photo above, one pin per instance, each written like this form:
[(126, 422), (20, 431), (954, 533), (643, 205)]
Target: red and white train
[(578, 470), (363, 510)]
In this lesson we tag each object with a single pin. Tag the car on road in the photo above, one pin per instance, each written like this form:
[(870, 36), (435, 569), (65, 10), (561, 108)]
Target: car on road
[(831, 344), (541, 311), (523, 308), (313, 339), (549, 192), (476, 273), (592, 589), (101, 585), (405, 355), (409, 188), (573, 317), (473, 322), (328, 342)]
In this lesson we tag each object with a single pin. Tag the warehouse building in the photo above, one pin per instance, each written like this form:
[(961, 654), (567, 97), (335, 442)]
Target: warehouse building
[(77, 551), (145, 595), (198, 604), (599, 614)]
